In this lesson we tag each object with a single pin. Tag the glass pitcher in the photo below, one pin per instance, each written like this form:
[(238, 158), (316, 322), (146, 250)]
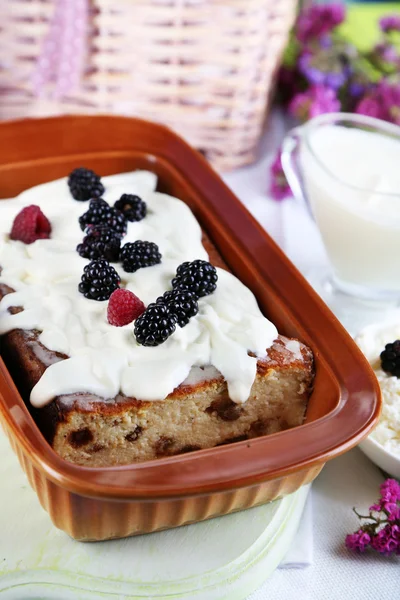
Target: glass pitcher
[(346, 168)]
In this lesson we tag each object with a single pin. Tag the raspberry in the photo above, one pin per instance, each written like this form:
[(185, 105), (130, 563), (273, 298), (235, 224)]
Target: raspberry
[(85, 184), (138, 255), (99, 280), (100, 241), (101, 213), (155, 325), (182, 303), (199, 277), (132, 206), (30, 225), (123, 308)]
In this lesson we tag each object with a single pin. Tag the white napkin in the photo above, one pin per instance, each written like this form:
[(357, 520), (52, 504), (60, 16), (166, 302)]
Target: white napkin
[(300, 554)]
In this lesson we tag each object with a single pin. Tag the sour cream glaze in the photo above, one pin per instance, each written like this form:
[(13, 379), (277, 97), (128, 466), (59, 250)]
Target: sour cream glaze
[(106, 360)]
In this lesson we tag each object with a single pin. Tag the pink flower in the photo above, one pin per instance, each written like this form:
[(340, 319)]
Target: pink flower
[(317, 100), (392, 510), (382, 530), (316, 21), (381, 101), (390, 23), (387, 52), (370, 106), (358, 541), (279, 187), (396, 536), (390, 490), (386, 540)]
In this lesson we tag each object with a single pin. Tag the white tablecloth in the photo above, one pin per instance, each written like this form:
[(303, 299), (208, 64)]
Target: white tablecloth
[(351, 480)]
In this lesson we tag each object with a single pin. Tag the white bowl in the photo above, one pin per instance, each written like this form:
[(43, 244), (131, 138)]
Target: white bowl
[(387, 461), (370, 339)]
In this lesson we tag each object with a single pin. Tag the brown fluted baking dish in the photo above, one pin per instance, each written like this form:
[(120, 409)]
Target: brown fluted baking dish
[(111, 502)]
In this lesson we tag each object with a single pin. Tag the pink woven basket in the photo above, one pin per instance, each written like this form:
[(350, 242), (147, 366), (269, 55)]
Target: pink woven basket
[(203, 67)]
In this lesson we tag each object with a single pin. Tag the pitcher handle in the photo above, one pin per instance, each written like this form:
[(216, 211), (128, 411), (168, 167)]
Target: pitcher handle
[(290, 167)]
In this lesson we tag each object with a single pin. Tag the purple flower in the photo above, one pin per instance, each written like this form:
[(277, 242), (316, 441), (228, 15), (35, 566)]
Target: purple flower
[(317, 100), (310, 72), (386, 540), (358, 541), (358, 85), (322, 69), (390, 490), (314, 22), (390, 23), (335, 80), (325, 42), (279, 187)]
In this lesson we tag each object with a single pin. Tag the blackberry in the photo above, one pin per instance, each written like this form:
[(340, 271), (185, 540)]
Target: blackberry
[(99, 280), (97, 213), (116, 220), (100, 212), (199, 277), (390, 358), (85, 184), (155, 325), (133, 207), (139, 254), (182, 303), (100, 241)]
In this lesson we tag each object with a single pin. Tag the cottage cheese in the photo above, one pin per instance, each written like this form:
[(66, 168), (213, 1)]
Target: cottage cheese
[(372, 341)]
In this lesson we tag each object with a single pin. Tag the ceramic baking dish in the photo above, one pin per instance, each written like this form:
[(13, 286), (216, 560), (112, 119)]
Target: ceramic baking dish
[(96, 504)]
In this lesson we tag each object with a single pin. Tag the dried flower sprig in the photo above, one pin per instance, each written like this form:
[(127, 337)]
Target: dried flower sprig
[(381, 527)]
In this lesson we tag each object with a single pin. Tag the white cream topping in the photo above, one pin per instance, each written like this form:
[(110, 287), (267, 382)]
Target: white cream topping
[(106, 360), (372, 341)]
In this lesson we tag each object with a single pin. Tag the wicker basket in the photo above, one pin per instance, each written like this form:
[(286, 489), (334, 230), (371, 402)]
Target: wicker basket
[(203, 67)]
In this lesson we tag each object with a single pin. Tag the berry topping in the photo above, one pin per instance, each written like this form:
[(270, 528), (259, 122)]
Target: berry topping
[(139, 254), (182, 303), (199, 277), (100, 241), (390, 358), (132, 207), (123, 308), (85, 184), (30, 225), (100, 212), (155, 325), (99, 280)]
